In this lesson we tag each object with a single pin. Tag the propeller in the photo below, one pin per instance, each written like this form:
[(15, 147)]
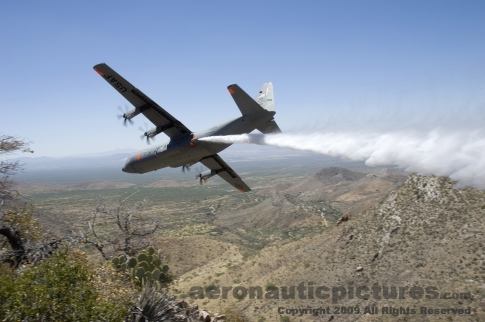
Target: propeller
[(145, 135), (198, 169), (124, 116), (199, 175), (203, 176)]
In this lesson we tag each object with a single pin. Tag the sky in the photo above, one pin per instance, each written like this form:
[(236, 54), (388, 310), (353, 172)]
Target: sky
[(335, 65)]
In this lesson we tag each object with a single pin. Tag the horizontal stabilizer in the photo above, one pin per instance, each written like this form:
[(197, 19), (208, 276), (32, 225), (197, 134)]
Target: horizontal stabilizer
[(269, 127)]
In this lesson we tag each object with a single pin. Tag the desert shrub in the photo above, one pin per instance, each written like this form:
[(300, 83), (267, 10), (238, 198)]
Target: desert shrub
[(271, 287), (114, 286), (155, 305), (20, 219), (58, 289), (235, 315)]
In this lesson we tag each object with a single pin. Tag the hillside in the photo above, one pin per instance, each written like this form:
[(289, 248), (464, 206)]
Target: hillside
[(424, 234), (292, 209), (283, 205)]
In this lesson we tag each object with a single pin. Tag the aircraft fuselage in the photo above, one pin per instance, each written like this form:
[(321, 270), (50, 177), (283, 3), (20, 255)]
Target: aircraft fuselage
[(186, 151)]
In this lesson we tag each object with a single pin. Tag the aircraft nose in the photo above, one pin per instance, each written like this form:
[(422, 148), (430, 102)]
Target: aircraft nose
[(128, 168)]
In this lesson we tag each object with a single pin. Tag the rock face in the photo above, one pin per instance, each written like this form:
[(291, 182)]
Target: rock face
[(424, 233), (204, 316), (342, 219)]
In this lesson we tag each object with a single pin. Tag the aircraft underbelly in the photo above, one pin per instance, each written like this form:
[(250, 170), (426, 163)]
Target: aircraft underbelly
[(193, 155), (177, 154), (190, 156)]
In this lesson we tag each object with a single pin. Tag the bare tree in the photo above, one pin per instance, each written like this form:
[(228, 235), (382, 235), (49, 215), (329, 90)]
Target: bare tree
[(27, 240), (10, 145), (14, 217), (126, 228)]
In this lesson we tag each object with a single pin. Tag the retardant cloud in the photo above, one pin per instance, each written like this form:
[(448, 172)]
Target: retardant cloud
[(458, 154)]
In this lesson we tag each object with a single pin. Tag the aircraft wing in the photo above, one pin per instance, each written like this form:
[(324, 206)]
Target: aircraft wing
[(152, 111), (215, 162)]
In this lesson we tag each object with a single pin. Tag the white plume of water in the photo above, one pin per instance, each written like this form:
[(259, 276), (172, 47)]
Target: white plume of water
[(458, 154)]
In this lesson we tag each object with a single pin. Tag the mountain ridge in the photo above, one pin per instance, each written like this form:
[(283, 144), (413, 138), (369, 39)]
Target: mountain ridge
[(425, 233)]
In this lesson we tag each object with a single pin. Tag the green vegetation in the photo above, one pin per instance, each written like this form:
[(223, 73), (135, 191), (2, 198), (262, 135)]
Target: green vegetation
[(146, 267), (235, 315), (43, 279), (271, 287), (58, 289)]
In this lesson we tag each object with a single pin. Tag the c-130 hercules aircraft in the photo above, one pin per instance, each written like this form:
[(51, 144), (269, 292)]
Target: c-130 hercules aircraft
[(184, 149)]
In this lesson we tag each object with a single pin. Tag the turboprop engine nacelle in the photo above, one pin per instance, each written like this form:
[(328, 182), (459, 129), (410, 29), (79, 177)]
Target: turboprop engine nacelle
[(206, 175)]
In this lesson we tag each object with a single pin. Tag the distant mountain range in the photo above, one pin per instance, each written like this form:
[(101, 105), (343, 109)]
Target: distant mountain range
[(105, 153), (116, 158), (93, 161)]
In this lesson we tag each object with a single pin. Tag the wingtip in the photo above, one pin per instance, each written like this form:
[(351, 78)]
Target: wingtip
[(98, 71)]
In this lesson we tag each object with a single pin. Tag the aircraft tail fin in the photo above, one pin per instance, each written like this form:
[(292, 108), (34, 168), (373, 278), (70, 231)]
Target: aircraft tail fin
[(260, 110), (265, 97)]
